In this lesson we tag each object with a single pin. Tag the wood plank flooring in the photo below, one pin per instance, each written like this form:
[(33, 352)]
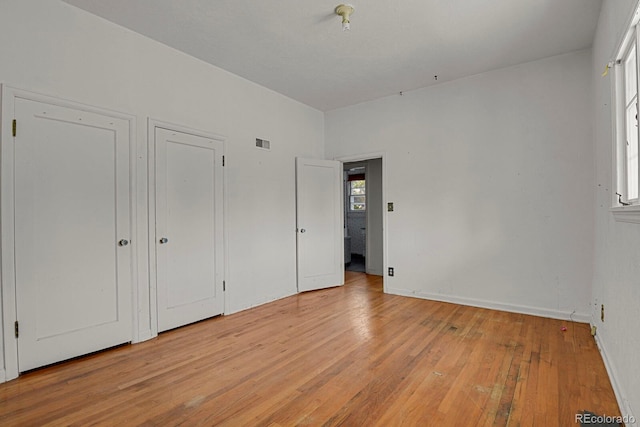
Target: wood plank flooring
[(349, 356)]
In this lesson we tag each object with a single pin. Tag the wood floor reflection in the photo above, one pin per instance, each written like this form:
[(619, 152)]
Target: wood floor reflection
[(349, 355)]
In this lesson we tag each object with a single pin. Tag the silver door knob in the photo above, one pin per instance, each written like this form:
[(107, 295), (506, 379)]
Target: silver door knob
[(164, 240), (123, 242), (302, 230)]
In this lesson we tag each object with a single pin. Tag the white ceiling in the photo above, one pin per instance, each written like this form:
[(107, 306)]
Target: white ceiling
[(298, 48)]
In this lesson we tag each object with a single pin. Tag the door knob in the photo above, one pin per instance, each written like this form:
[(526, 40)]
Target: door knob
[(164, 240), (302, 230), (123, 242)]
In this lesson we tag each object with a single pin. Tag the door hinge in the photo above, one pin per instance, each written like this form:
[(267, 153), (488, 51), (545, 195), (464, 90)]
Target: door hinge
[(224, 286), (222, 160), (14, 127), (16, 330)]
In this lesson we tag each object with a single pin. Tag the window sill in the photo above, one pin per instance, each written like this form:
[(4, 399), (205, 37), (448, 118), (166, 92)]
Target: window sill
[(627, 214)]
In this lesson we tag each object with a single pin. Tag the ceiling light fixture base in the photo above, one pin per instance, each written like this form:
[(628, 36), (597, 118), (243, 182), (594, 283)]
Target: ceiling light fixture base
[(345, 10)]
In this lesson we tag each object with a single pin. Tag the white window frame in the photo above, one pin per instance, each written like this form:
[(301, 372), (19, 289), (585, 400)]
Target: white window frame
[(628, 210), (351, 203)]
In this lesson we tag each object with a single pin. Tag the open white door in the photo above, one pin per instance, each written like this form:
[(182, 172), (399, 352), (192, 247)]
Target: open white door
[(319, 224)]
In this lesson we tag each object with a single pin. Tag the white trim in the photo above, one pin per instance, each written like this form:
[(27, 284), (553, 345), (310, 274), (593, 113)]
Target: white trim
[(618, 182), (3, 377), (7, 219), (623, 402), (385, 243), (630, 37), (512, 308), (629, 214), (225, 228), (151, 232), (155, 123), (133, 218), (264, 301), (632, 20), (139, 175), (10, 345), (152, 124)]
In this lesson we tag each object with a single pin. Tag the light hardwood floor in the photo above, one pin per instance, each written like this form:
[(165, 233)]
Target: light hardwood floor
[(348, 356)]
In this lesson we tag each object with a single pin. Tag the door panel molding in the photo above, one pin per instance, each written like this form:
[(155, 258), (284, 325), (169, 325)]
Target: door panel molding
[(152, 125), (10, 95)]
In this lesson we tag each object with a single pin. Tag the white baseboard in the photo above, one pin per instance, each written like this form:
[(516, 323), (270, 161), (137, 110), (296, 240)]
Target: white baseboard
[(144, 336), (375, 272), (623, 402), (259, 303), (512, 308), (3, 376)]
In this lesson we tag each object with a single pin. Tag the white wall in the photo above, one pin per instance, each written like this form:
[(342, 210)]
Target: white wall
[(492, 179), (53, 48), (375, 209), (356, 229), (617, 245)]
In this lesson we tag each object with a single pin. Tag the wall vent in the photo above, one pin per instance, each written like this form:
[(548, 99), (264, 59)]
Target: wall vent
[(263, 143)]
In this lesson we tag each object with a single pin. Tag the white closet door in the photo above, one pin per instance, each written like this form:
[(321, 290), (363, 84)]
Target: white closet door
[(189, 239), (319, 219), (72, 227)]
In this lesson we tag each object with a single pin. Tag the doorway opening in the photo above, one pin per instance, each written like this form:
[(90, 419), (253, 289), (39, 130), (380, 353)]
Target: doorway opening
[(363, 216)]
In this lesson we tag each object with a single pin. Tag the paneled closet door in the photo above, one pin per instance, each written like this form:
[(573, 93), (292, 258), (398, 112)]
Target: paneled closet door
[(189, 235), (72, 232), (319, 223)]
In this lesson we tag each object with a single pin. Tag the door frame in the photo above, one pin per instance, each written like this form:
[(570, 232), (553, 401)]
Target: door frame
[(9, 368), (385, 246), (152, 124)]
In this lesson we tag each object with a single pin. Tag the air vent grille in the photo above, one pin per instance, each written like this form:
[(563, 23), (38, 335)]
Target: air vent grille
[(263, 143)]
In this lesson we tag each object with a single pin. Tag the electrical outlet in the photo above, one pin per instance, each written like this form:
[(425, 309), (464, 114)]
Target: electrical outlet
[(390, 207), (602, 312), (391, 271)]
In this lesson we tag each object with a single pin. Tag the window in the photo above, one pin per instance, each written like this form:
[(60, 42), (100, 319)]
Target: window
[(626, 204), (357, 195), (630, 145)]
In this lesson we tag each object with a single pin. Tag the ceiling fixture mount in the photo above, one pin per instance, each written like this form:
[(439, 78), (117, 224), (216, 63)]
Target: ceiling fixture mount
[(345, 10)]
